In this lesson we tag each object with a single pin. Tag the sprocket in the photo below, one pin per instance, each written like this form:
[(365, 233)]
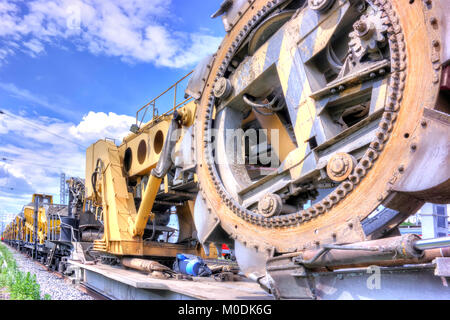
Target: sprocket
[(369, 34)]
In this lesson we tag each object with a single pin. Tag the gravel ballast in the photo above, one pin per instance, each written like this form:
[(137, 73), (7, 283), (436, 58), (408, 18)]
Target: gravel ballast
[(50, 284)]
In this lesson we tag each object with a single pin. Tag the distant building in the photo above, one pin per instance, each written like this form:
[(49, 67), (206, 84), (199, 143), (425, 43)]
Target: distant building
[(431, 221)]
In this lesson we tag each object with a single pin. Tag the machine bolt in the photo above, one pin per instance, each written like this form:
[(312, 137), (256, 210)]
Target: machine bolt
[(222, 88), (360, 26), (364, 29), (320, 5), (337, 166), (340, 166)]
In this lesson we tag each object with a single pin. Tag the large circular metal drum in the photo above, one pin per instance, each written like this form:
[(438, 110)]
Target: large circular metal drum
[(318, 115)]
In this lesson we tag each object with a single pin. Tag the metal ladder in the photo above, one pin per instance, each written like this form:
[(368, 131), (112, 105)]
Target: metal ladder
[(51, 256)]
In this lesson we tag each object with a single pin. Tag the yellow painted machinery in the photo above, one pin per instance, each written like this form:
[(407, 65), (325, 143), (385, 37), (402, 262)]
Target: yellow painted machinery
[(43, 230), (43, 224), (135, 187)]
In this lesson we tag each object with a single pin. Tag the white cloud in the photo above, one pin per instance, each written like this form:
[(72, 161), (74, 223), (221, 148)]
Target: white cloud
[(100, 124), (31, 159), (133, 30), (35, 47)]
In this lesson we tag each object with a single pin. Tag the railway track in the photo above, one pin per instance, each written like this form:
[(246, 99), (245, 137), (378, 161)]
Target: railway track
[(92, 292)]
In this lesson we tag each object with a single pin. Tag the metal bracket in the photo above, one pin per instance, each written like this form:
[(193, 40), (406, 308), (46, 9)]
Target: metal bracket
[(290, 281), (197, 82)]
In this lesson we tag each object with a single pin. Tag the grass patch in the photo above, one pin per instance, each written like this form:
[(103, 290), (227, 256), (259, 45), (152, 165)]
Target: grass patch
[(20, 286)]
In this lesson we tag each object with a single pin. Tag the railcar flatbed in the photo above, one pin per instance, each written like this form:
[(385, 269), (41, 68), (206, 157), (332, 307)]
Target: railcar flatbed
[(424, 282), (122, 284)]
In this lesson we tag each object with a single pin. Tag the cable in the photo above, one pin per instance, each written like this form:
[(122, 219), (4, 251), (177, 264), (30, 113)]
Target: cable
[(41, 127), (8, 189), (256, 106), (264, 105), (333, 60)]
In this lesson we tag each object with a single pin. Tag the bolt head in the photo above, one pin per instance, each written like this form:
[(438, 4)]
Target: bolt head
[(320, 5), (338, 165), (222, 88), (270, 205)]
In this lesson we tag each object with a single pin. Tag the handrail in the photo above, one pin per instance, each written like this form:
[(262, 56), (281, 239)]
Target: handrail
[(153, 103)]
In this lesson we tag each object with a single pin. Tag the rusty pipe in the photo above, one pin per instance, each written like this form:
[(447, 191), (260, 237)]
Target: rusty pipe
[(144, 265), (388, 251), (429, 256)]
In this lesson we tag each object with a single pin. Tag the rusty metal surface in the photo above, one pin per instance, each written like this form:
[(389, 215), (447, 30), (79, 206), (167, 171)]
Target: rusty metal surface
[(426, 167), (388, 252), (291, 280)]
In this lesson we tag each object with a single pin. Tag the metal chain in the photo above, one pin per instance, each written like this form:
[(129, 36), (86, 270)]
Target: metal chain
[(395, 93)]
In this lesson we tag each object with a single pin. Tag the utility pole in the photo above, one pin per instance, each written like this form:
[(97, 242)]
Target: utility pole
[(37, 200)]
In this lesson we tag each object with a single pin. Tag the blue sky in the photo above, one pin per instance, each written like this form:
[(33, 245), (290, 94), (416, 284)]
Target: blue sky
[(75, 71)]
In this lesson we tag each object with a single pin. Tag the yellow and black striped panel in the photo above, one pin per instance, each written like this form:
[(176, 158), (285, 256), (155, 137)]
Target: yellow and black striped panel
[(288, 55)]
